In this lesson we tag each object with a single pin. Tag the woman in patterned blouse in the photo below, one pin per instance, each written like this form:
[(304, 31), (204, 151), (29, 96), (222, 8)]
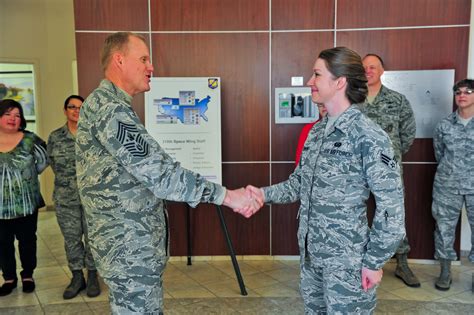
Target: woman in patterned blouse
[(22, 158)]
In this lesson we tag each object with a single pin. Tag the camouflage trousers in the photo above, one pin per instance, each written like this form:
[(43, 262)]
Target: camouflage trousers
[(136, 294), (446, 210), (334, 290), (73, 226), (404, 247)]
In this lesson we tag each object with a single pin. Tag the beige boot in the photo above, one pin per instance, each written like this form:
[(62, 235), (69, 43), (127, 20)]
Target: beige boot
[(444, 281), (404, 272)]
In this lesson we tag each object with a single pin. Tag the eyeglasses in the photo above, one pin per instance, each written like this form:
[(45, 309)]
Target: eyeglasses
[(466, 92), (72, 107)]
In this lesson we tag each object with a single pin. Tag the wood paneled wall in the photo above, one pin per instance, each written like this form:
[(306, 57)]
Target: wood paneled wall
[(255, 46)]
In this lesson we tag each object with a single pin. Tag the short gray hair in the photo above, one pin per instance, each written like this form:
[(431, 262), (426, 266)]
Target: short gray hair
[(116, 42)]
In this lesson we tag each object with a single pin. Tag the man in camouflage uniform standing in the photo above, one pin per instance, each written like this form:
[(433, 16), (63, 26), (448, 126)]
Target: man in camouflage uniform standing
[(454, 181), (123, 178), (69, 211), (393, 113)]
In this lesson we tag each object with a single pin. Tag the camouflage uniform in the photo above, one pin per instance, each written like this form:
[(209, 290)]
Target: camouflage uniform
[(393, 113), (453, 184), (69, 211), (333, 181), (123, 176)]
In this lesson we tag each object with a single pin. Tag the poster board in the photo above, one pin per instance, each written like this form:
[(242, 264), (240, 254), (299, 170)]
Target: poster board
[(429, 93), (184, 116)]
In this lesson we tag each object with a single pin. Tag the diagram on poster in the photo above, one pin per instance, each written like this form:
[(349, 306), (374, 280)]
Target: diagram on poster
[(429, 93), (183, 115), (185, 108)]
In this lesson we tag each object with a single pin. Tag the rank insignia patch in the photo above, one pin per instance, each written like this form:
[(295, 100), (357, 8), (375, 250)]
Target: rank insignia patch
[(388, 161), (131, 139), (213, 83)]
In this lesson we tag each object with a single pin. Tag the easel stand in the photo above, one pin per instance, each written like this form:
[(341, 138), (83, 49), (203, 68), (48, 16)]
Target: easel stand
[(243, 291)]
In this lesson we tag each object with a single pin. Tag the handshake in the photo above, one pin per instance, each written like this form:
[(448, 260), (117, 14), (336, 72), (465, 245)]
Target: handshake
[(246, 201)]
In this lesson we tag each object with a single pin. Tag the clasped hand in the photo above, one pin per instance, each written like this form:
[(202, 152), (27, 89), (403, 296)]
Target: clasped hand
[(246, 201)]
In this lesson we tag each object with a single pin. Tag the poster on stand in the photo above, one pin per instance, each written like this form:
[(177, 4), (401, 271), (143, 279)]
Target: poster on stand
[(184, 116)]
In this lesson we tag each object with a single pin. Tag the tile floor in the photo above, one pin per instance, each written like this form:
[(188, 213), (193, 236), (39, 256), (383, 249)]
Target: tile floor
[(210, 287)]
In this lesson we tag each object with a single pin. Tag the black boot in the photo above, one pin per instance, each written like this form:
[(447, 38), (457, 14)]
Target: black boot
[(77, 284), (8, 287), (93, 288)]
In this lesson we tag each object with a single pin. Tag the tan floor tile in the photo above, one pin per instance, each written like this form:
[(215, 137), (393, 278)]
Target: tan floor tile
[(416, 294), (390, 282), (294, 284), (257, 306), (190, 292), (205, 273), (227, 268), (48, 262), (48, 271), (53, 281), (228, 288), (291, 263), (386, 295), (103, 296), (179, 283), (55, 296), (99, 308), (18, 298), (277, 290), (262, 265), (197, 265), (174, 275), (67, 308), (463, 297), (283, 274), (259, 280)]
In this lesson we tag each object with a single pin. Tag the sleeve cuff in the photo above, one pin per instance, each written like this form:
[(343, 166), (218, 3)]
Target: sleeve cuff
[(220, 193)]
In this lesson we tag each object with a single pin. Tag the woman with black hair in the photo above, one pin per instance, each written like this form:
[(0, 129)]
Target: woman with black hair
[(22, 158)]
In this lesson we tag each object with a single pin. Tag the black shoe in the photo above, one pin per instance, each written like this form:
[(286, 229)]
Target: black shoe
[(93, 287), (8, 287), (28, 285)]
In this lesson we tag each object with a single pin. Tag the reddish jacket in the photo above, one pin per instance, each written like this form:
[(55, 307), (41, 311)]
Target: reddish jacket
[(303, 135)]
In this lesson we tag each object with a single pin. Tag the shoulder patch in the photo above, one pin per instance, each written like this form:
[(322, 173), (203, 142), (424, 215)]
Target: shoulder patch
[(131, 139), (388, 161)]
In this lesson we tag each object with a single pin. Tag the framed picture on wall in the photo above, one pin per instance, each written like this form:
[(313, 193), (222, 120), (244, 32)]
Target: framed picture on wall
[(19, 86)]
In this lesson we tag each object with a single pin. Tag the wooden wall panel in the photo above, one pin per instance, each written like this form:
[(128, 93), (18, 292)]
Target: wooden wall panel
[(89, 70), (209, 15), (113, 15), (420, 151), (413, 49), (420, 224), (391, 13), (241, 60), (293, 54), (302, 14), (284, 222)]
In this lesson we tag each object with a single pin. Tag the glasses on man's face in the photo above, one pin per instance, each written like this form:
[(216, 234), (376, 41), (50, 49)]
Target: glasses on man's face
[(72, 107), (466, 92)]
